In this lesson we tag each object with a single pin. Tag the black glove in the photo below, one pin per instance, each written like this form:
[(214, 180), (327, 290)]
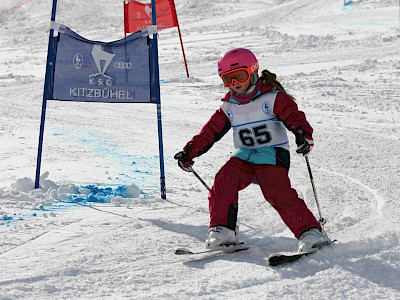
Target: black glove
[(184, 161), (304, 142)]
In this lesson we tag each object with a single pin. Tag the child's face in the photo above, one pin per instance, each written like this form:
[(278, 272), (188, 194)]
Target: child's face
[(240, 88)]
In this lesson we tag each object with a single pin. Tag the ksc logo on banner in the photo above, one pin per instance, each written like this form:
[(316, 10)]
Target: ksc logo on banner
[(102, 72)]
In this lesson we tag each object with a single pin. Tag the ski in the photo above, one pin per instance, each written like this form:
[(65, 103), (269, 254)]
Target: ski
[(222, 249), (284, 258)]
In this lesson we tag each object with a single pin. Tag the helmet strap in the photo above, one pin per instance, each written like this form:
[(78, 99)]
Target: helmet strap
[(254, 78)]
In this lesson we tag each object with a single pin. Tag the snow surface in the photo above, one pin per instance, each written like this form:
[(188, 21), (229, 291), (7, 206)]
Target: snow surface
[(98, 229)]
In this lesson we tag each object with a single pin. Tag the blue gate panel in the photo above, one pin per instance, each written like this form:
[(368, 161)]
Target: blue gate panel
[(92, 71)]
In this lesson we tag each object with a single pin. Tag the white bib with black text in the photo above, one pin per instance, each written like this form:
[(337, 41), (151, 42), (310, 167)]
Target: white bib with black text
[(255, 125)]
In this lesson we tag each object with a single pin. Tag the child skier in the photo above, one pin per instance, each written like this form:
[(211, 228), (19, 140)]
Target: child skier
[(259, 111)]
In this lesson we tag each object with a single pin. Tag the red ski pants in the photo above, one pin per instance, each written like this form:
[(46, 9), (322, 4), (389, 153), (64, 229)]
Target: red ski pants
[(274, 182)]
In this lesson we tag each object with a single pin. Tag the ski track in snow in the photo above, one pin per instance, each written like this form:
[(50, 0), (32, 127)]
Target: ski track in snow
[(116, 241), (380, 201)]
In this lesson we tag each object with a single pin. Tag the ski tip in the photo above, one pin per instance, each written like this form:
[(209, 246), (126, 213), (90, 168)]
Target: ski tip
[(281, 259), (182, 251)]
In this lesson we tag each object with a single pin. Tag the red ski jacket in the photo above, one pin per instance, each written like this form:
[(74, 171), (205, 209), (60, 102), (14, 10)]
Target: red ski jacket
[(285, 108)]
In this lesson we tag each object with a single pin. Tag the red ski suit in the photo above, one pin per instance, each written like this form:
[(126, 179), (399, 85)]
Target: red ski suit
[(237, 174)]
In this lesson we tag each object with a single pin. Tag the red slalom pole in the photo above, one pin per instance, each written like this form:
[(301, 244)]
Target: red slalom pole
[(183, 51), (175, 15)]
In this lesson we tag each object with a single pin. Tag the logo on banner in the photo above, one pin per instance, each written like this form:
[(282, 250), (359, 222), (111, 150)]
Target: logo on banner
[(77, 61), (123, 65), (102, 57), (148, 11)]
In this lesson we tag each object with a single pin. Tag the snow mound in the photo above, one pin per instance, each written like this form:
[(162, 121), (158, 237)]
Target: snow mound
[(49, 193)]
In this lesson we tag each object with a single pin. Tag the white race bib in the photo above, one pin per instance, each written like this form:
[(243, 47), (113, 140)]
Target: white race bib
[(255, 125)]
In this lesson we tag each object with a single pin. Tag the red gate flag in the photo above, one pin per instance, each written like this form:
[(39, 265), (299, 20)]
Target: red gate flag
[(138, 15)]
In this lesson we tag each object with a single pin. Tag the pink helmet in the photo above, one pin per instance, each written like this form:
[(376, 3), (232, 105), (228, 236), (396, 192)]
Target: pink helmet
[(237, 58)]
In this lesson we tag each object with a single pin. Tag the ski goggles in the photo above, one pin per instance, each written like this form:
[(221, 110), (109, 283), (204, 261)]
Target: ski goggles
[(240, 75)]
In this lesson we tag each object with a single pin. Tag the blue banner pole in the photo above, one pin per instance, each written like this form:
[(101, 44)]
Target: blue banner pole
[(157, 91), (48, 91)]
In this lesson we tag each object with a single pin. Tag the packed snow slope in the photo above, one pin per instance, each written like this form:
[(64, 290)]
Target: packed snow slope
[(98, 229)]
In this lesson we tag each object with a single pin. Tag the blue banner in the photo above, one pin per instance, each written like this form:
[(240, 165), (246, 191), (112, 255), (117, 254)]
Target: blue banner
[(91, 71)]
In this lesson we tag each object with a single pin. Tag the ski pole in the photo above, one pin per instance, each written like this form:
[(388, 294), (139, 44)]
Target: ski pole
[(190, 168), (321, 220)]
